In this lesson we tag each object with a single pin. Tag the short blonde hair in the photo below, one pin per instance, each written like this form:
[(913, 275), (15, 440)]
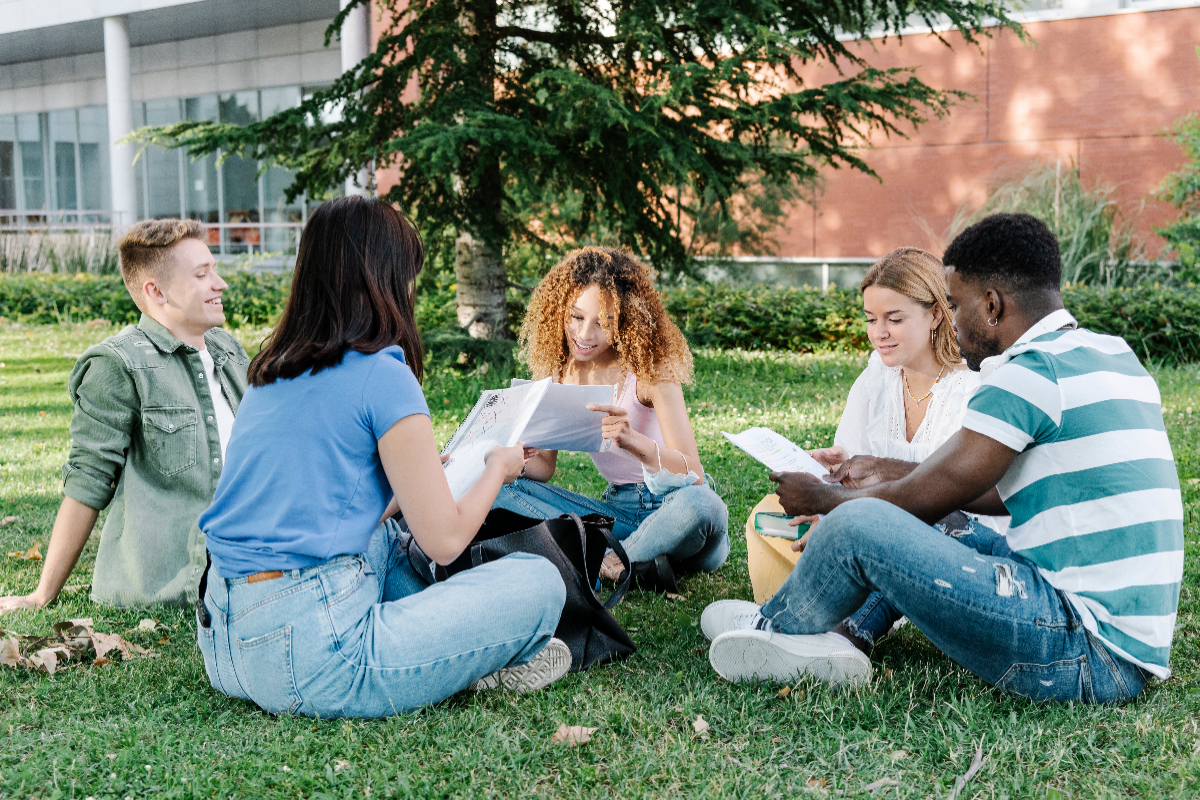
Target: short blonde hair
[(921, 277), (145, 250)]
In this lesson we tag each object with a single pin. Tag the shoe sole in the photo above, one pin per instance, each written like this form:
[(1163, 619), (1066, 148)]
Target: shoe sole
[(553, 662), (756, 655)]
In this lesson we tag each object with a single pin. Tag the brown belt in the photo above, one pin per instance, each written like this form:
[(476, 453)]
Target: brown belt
[(264, 576)]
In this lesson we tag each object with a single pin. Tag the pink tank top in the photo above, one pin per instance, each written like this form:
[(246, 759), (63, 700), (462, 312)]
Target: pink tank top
[(617, 466)]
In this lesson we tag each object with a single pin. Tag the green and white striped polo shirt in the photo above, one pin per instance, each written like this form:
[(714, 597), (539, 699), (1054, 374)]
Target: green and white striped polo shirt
[(1094, 494)]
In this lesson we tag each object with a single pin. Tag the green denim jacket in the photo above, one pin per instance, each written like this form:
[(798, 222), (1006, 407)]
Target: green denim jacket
[(144, 439)]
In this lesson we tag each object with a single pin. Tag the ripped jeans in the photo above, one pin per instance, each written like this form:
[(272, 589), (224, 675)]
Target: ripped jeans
[(979, 603)]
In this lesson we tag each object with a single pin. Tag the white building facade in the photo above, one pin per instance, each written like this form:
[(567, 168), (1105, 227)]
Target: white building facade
[(78, 75)]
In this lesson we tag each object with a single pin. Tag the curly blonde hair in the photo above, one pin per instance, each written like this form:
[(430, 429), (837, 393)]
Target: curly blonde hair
[(919, 276), (646, 340)]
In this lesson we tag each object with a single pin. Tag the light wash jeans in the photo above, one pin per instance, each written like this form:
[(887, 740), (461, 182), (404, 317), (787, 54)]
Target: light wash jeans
[(979, 603), (690, 524), (363, 636)]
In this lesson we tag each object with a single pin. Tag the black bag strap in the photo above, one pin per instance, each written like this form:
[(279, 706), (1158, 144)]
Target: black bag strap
[(421, 563), (202, 610), (615, 544)]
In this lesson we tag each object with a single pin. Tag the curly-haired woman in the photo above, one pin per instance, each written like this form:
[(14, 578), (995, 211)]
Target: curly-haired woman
[(597, 319)]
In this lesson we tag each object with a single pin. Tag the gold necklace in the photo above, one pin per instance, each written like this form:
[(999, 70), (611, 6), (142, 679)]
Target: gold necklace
[(926, 397)]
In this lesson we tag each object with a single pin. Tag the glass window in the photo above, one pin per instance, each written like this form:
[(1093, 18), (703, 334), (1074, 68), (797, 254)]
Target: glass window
[(200, 175), (32, 156), (276, 180), (8, 177), (62, 162), (239, 176), (93, 157), (162, 166)]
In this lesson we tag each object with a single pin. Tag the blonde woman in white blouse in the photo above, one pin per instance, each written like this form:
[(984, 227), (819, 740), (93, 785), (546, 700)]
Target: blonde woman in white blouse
[(909, 400)]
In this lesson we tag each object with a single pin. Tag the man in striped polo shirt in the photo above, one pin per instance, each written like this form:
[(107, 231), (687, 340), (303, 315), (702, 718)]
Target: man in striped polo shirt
[(1078, 601)]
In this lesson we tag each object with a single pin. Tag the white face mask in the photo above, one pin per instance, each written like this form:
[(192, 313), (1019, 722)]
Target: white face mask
[(665, 481)]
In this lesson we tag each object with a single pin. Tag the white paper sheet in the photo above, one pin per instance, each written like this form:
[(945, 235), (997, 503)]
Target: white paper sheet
[(498, 418), (562, 420), (777, 452)]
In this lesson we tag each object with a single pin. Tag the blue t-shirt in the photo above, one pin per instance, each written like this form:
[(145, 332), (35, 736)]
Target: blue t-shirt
[(303, 481)]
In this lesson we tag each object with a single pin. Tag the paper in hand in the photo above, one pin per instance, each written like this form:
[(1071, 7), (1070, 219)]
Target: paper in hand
[(562, 420), (777, 452)]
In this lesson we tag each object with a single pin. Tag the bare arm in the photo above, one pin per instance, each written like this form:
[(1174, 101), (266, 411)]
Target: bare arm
[(72, 527), (961, 474), (680, 453), (541, 464), (442, 526)]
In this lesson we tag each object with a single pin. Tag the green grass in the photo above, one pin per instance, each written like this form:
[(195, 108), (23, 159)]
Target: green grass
[(154, 727)]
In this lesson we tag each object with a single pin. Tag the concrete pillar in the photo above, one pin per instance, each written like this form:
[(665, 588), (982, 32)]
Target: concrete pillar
[(118, 81), (356, 45)]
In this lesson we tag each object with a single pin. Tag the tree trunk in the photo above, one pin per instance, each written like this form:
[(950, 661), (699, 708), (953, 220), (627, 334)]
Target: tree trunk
[(479, 273)]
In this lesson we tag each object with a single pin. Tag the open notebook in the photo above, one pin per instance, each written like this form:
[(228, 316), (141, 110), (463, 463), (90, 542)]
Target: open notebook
[(542, 414)]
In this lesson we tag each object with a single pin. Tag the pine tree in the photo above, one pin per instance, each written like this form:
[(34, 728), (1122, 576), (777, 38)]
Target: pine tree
[(571, 120)]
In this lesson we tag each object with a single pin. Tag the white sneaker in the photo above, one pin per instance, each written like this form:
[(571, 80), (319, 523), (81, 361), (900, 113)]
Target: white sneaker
[(732, 615), (539, 672), (747, 654)]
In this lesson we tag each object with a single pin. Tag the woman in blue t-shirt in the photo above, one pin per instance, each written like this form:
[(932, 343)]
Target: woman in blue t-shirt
[(312, 606)]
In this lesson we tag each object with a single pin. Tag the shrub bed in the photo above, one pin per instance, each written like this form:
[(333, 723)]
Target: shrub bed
[(1161, 323)]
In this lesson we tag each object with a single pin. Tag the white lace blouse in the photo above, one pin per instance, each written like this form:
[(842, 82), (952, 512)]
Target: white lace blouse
[(873, 421)]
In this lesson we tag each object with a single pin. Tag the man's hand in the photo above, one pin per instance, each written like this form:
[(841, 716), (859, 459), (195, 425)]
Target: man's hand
[(18, 602), (802, 494), (857, 472)]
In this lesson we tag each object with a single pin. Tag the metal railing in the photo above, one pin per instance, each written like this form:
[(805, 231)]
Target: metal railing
[(843, 271)]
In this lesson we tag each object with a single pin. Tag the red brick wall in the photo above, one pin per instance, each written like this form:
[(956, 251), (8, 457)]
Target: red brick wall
[(1099, 90)]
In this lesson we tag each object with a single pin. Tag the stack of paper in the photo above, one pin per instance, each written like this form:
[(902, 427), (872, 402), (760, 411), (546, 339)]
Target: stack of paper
[(542, 414)]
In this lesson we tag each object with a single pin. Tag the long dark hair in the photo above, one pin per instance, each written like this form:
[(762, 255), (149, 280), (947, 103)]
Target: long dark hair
[(353, 289)]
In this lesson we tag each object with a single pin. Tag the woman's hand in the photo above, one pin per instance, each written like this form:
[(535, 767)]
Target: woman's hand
[(801, 543), (509, 460), (616, 425), (830, 457)]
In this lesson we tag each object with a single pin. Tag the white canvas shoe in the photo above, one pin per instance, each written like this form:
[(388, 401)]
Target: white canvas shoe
[(732, 615), (539, 672), (748, 654)]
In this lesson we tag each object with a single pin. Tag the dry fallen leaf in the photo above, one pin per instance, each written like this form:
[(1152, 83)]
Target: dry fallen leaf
[(899, 754), (100, 662), (700, 724), (32, 554), (110, 756), (8, 520), (816, 783), (164, 640), (963, 780), (41, 413), (48, 658), (1193, 481), (10, 652), (673, 596), (572, 735), (879, 784), (785, 691), (147, 625), (340, 765)]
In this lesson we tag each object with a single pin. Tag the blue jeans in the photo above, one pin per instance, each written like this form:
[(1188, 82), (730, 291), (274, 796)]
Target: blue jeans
[(877, 616), (690, 525), (987, 608), (363, 636)]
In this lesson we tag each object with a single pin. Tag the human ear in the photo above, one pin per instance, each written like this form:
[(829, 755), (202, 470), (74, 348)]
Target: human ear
[(154, 292), (995, 306)]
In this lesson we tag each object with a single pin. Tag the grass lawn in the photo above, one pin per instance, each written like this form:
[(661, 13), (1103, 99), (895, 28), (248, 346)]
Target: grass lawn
[(153, 727)]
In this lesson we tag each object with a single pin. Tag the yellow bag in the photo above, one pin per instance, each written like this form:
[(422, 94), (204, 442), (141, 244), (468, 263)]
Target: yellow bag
[(770, 558)]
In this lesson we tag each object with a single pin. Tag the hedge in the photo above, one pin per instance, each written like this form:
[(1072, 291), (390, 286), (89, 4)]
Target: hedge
[(1161, 323)]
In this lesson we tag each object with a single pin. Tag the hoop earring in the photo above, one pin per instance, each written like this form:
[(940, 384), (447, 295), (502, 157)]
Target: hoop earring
[(932, 335), (993, 322)]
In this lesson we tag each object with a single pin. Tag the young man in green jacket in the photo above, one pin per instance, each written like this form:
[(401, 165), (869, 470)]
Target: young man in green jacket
[(154, 407)]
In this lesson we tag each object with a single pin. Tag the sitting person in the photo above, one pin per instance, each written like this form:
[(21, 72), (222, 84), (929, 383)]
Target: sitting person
[(596, 319), (909, 400), (154, 408), (311, 604), (1078, 601)]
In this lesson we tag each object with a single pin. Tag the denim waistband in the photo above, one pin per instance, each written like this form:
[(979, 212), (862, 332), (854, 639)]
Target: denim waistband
[(298, 574)]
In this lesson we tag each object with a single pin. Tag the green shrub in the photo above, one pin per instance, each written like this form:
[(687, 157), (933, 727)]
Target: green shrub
[(767, 318), (1161, 323)]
